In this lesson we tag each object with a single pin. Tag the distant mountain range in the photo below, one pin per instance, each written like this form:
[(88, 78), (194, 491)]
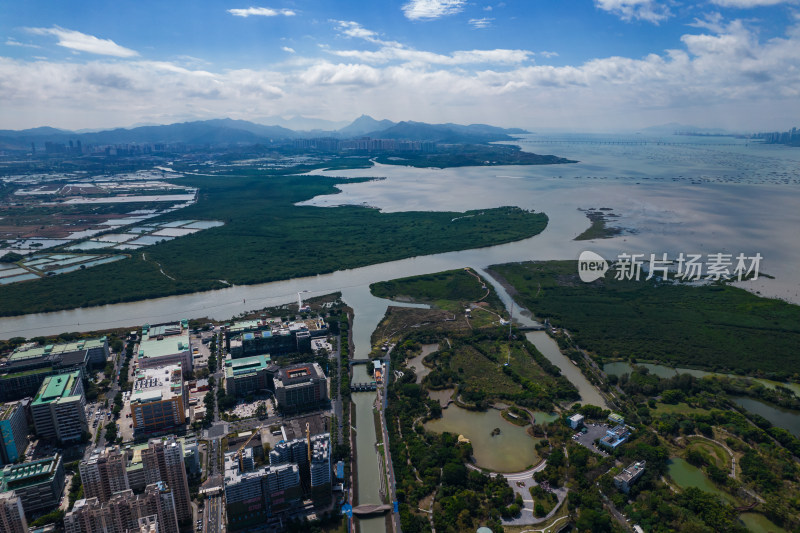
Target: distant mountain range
[(230, 132)]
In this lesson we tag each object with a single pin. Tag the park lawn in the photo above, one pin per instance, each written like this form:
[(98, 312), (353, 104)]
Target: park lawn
[(479, 373), (678, 408), (713, 452)]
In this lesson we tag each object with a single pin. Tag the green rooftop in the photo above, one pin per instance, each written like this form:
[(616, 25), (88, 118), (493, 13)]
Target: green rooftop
[(16, 476), (57, 387), (166, 346), (246, 365), (22, 354)]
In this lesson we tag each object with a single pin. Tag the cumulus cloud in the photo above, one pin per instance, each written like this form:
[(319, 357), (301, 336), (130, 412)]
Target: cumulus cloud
[(260, 12), (480, 23), (649, 10), (82, 42), (432, 9), (727, 68), (287, 49)]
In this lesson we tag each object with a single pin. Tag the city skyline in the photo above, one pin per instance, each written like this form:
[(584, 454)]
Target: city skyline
[(593, 65)]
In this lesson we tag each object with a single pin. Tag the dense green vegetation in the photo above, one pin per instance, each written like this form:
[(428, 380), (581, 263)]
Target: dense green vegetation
[(470, 155), (452, 285), (599, 228), (716, 327), (267, 238)]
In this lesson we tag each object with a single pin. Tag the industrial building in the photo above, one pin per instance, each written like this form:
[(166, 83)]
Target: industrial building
[(125, 512), (166, 344), (12, 516), (157, 400), (625, 479), (300, 387), (38, 484), (13, 432), (247, 375), (26, 368), (272, 336), (58, 409), (104, 473)]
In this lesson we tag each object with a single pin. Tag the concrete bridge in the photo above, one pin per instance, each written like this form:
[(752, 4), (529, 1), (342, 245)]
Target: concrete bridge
[(371, 508), (363, 387)]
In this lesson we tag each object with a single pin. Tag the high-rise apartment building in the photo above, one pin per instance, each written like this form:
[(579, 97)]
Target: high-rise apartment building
[(125, 512), (13, 432), (12, 516), (163, 461), (104, 473)]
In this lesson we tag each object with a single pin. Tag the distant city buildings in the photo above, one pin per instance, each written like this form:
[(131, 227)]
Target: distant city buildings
[(158, 399), (38, 484), (13, 432), (58, 409), (364, 144)]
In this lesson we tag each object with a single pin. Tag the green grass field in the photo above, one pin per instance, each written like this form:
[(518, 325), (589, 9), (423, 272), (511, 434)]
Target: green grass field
[(716, 327), (267, 238)]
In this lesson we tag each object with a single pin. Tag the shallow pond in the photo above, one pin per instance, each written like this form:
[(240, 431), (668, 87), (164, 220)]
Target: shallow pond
[(686, 475), (511, 451)]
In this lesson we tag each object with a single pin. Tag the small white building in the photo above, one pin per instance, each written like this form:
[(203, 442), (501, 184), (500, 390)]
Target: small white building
[(575, 421)]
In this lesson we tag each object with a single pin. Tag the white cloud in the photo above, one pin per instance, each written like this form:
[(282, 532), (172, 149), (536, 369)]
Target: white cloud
[(261, 12), (287, 49), (547, 54), (480, 23), (710, 21), (650, 10), (82, 42), (729, 74), (13, 42), (432, 9), (751, 3)]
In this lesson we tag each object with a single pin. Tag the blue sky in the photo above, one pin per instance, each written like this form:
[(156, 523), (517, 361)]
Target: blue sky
[(572, 64)]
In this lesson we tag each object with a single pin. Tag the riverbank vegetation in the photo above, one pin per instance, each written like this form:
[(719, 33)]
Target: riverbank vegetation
[(266, 237), (715, 327)]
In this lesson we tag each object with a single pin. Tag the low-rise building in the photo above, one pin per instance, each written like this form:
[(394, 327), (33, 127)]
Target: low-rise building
[(58, 409), (575, 421), (247, 375), (166, 344), (625, 479), (300, 387), (13, 432), (38, 484), (615, 436), (157, 401)]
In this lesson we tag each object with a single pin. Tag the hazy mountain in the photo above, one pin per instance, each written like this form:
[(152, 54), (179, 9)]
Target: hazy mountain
[(363, 125), (301, 123), (446, 133), (228, 131)]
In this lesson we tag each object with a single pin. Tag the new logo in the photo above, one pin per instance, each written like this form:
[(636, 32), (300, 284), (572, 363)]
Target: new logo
[(591, 266)]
